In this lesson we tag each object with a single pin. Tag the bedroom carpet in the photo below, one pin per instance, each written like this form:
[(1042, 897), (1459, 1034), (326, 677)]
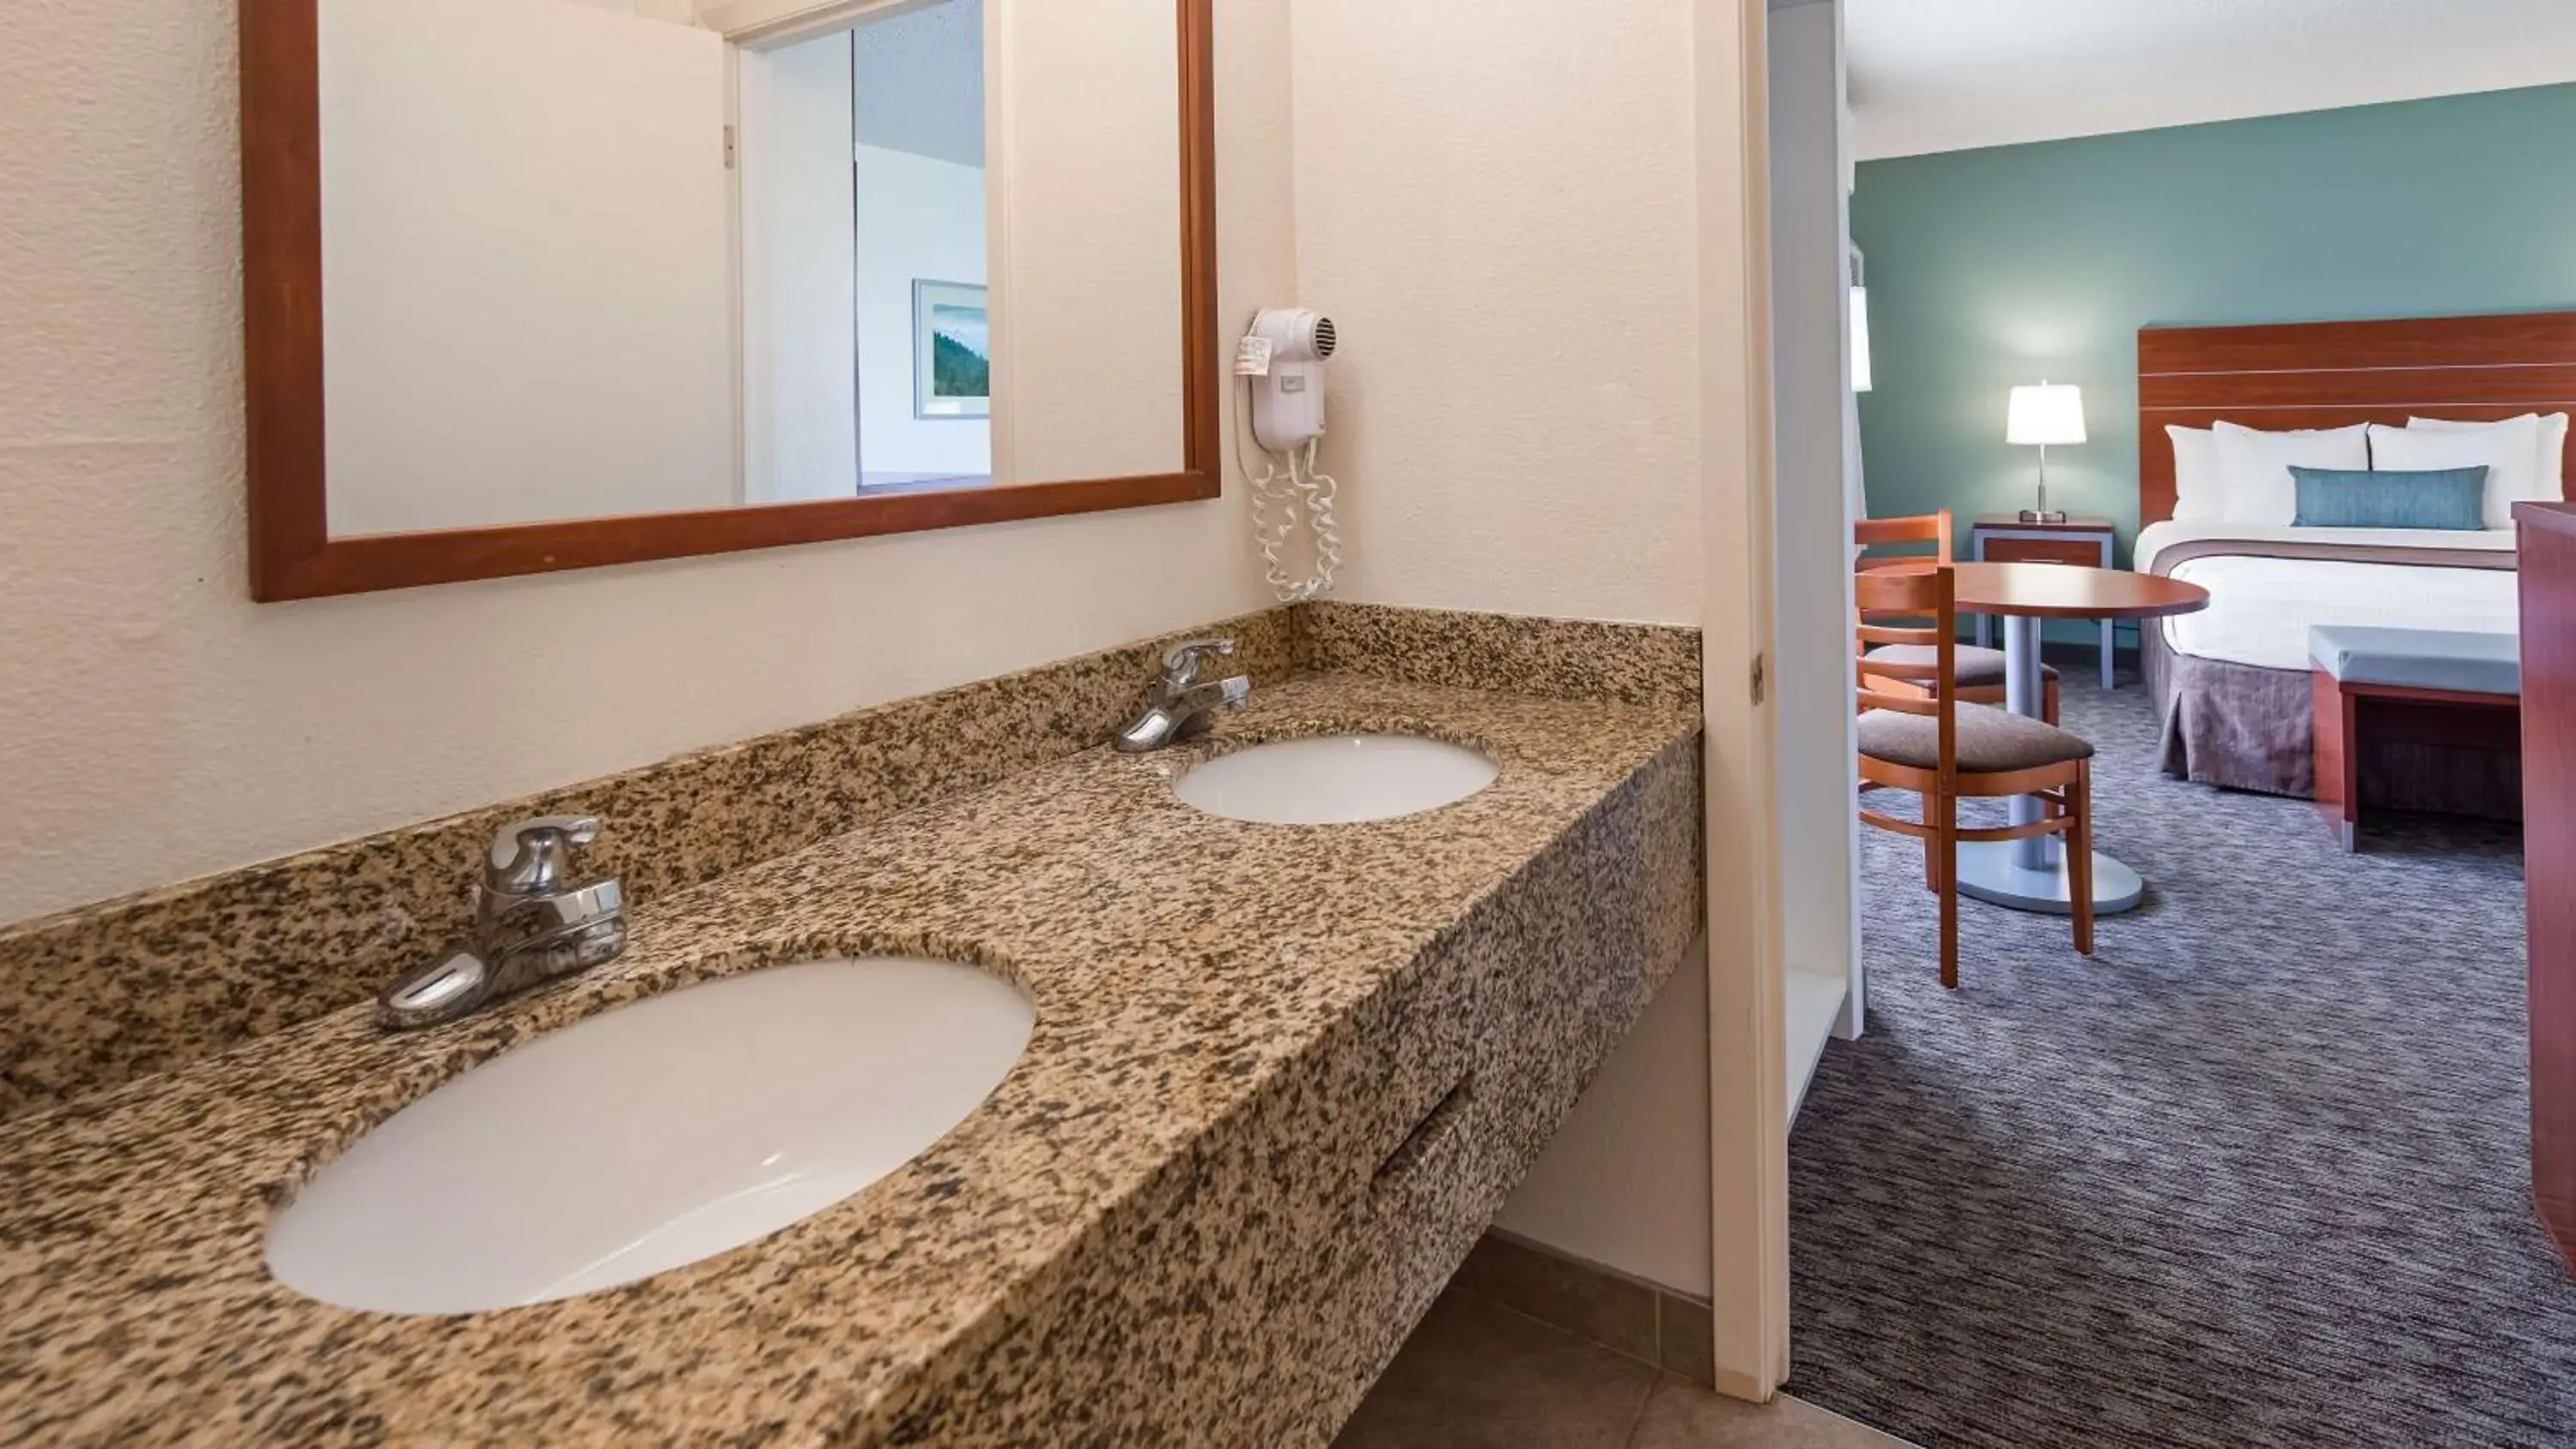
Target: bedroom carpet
[(2257, 1173)]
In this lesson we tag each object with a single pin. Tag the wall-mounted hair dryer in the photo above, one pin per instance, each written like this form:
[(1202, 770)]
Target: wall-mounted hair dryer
[(1282, 363), (1288, 399)]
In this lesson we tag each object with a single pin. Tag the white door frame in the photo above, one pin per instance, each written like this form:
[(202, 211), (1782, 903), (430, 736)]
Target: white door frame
[(1748, 1090)]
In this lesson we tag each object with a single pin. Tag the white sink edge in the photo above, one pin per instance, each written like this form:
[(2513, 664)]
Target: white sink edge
[(673, 1130), (1337, 778)]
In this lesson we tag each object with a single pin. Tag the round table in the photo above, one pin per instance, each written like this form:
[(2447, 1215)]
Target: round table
[(2030, 875)]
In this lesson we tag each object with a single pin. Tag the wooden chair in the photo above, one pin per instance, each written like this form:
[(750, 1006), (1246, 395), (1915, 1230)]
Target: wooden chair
[(1931, 742), (1981, 676)]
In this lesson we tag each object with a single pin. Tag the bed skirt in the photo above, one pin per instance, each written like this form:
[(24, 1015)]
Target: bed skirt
[(2244, 727)]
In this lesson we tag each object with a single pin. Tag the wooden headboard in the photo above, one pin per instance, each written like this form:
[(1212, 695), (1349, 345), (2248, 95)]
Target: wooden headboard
[(2335, 374)]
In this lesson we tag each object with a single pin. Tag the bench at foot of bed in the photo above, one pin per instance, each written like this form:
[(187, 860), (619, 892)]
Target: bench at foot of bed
[(2423, 686)]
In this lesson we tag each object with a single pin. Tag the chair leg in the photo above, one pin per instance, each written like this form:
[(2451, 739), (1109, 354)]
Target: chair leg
[(2079, 856), (1945, 845), (2048, 701)]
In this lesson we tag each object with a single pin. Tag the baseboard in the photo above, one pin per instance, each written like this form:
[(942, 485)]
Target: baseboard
[(1627, 1315)]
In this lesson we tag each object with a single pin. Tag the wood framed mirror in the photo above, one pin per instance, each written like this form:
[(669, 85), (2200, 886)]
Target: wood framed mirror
[(509, 309)]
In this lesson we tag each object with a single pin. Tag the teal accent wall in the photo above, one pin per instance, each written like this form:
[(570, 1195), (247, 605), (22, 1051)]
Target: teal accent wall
[(2014, 264)]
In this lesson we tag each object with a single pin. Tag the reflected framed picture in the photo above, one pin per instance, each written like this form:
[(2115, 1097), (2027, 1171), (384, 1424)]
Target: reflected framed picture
[(952, 351)]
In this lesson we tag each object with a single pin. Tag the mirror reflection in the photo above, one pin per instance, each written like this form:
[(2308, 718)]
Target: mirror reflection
[(594, 258), (882, 260)]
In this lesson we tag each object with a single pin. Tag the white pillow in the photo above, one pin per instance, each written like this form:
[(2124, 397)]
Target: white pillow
[(2256, 465), (2510, 451), (2200, 494), (2551, 478)]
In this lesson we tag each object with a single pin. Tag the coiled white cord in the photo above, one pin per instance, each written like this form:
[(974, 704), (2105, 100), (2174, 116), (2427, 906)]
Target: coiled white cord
[(1321, 490), (1278, 499)]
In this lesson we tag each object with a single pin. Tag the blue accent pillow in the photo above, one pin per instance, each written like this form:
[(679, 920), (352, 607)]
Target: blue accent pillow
[(2450, 498)]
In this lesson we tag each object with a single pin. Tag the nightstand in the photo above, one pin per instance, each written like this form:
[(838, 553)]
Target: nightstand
[(2084, 539)]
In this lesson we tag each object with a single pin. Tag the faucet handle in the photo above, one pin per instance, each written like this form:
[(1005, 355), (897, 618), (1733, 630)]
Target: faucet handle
[(1181, 661), (534, 857)]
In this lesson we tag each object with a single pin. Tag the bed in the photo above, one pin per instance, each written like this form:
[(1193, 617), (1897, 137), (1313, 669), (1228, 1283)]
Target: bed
[(2231, 684)]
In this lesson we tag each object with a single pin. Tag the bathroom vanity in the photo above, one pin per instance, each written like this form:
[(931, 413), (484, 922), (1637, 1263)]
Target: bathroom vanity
[(1278, 1080)]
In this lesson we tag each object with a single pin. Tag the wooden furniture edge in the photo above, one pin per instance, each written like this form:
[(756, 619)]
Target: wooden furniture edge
[(2335, 738), (2547, 596), (2161, 597), (2333, 374), (2072, 523), (2335, 765), (2556, 517)]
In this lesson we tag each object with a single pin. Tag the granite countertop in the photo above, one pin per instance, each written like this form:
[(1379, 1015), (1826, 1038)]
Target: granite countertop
[(1178, 961)]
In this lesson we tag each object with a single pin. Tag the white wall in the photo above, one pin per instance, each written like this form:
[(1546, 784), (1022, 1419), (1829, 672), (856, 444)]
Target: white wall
[(1499, 215), (155, 724), (1081, 273), (919, 219), (575, 364), (1748, 1109), (1626, 1180), (835, 248), (800, 273), (677, 12), (1497, 210), (1810, 238), (1971, 73)]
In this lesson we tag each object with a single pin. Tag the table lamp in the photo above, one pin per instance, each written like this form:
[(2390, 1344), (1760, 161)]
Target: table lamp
[(2040, 416)]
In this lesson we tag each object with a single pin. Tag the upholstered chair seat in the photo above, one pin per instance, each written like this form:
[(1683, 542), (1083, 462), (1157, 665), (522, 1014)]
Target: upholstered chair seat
[(1991, 741)]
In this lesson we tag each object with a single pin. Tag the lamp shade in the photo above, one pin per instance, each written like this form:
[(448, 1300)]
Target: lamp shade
[(2045, 414)]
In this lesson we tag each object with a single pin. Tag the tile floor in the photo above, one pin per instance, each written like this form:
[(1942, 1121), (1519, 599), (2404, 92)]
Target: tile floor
[(1476, 1375)]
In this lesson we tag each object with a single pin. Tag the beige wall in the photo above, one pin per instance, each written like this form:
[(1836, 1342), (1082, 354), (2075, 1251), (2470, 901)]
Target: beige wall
[(1625, 1182), (1499, 216), (1497, 211), (154, 724), (578, 364), (1081, 270)]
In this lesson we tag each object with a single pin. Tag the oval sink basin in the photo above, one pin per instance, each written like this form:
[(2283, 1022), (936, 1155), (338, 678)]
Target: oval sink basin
[(651, 1136), (1337, 779)]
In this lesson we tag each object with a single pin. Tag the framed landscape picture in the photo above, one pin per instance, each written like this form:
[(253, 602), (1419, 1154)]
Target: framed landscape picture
[(952, 351)]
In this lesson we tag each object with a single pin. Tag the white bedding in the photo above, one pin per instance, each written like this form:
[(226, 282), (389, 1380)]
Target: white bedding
[(2260, 609)]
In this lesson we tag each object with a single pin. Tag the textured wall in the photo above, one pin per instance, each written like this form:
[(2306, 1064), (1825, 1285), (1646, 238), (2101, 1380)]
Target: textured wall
[(155, 724), (1995, 267), (1498, 213)]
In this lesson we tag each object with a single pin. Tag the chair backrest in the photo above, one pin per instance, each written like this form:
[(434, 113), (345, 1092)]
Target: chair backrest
[(1910, 606), (1931, 528)]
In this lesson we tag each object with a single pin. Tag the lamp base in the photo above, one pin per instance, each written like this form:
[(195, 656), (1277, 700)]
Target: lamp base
[(2042, 515)]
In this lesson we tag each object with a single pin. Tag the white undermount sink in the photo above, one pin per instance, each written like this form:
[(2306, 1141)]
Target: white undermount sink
[(1336, 779), (651, 1136)]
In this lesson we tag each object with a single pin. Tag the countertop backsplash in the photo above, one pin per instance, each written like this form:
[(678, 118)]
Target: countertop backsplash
[(102, 995)]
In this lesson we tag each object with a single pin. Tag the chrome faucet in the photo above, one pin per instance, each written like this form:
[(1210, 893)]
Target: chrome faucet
[(533, 921), (1179, 705)]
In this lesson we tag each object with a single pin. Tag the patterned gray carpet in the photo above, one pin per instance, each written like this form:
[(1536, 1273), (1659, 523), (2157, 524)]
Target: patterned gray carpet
[(2255, 1174)]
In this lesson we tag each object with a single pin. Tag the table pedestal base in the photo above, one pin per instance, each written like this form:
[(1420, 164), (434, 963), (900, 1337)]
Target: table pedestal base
[(1991, 871)]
